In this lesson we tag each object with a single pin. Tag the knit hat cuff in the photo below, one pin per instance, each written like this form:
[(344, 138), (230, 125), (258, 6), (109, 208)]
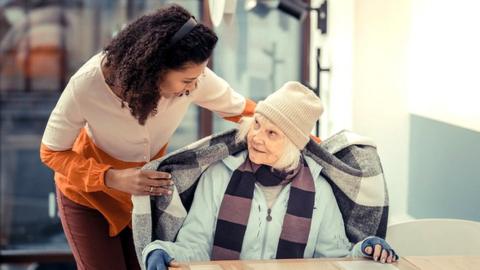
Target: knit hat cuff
[(283, 123)]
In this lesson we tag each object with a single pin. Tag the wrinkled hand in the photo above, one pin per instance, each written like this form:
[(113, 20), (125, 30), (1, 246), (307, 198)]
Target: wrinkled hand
[(379, 250), (139, 182), (160, 260)]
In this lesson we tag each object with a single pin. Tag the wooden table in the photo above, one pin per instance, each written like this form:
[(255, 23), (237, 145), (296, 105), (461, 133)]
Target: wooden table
[(445, 262), (405, 263)]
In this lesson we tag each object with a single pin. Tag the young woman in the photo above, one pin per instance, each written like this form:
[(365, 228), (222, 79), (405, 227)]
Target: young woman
[(118, 112)]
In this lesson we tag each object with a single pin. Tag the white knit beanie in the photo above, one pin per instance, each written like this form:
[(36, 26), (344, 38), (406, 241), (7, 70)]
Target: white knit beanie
[(294, 109)]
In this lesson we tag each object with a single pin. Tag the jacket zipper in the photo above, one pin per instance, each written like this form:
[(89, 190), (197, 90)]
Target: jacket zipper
[(268, 219), (265, 236)]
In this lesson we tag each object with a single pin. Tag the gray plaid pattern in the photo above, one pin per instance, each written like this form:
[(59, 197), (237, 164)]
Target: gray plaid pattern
[(350, 164)]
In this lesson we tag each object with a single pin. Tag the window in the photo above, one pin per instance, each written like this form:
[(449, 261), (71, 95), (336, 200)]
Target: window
[(43, 43), (257, 52)]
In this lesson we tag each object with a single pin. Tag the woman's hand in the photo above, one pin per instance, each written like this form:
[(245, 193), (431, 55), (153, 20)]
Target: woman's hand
[(158, 259), (139, 182), (379, 250)]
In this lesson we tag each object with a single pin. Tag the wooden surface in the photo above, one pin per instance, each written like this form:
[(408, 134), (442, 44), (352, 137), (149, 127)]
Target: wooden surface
[(445, 262), (405, 263), (294, 264)]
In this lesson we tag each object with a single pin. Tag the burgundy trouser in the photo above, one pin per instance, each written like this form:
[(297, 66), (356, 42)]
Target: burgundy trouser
[(87, 234)]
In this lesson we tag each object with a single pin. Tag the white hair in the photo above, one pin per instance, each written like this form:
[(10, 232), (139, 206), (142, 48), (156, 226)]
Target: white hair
[(290, 157)]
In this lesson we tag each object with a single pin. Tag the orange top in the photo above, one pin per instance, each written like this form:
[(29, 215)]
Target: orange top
[(79, 175)]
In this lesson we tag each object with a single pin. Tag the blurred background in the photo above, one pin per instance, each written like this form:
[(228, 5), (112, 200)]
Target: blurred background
[(403, 72)]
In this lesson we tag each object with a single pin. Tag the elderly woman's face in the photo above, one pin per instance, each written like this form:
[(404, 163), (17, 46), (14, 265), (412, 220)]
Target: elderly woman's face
[(265, 142)]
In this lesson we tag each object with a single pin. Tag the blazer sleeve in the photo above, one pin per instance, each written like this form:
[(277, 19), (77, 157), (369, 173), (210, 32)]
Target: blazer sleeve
[(216, 95)]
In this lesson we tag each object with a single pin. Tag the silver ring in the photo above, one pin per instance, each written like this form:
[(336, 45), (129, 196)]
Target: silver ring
[(151, 189)]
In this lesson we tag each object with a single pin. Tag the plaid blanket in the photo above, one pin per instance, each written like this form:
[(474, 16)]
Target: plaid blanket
[(350, 164)]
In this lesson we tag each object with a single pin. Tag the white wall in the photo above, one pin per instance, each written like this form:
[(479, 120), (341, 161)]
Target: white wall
[(368, 48), (337, 54), (380, 108), (444, 57), (394, 58)]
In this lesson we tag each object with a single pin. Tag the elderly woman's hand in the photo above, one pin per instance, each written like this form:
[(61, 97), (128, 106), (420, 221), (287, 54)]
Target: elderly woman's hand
[(379, 250), (159, 259)]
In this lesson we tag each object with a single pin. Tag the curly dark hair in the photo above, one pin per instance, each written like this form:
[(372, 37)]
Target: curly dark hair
[(140, 54)]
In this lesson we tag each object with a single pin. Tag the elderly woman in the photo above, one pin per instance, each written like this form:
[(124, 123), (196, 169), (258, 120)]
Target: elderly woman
[(269, 201)]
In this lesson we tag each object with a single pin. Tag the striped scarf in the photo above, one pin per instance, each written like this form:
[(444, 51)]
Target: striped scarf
[(236, 204)]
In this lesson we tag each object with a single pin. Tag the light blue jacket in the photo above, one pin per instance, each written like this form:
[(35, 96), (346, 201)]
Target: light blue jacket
[(195, 239)]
